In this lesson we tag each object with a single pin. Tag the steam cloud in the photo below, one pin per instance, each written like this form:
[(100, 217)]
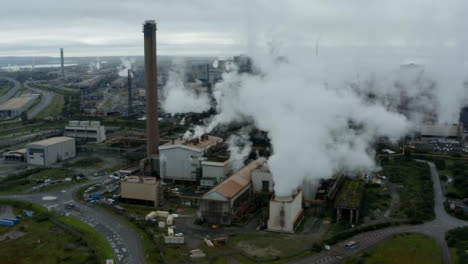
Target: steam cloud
[(179, 98), (324, 113), (239, 147), (126, 64)]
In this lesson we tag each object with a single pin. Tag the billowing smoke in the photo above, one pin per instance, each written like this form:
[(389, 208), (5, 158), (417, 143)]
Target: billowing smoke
[(179, 97), (125, 65), (94, 66), (324, 113), (239, 147)]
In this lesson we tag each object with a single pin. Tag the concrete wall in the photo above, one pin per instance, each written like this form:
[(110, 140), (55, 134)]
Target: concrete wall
[(179, 164)]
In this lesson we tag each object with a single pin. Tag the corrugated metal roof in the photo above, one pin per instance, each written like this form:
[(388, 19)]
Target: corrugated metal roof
[(237, 182), (52, 141)]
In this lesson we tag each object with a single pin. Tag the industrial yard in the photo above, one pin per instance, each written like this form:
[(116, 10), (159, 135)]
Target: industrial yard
[(267, 153)]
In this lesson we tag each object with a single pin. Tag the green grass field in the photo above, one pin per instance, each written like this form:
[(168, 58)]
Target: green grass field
[(403, 249), (52, 239), (54, 109), (417, 192)]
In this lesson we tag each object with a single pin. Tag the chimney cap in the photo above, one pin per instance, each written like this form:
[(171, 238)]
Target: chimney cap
[(150, 21)]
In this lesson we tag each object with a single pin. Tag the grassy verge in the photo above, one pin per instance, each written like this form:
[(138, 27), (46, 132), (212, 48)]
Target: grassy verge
[(403, 249), (416, 192), (51, 239), (376, 197), (54, 109), (95, 239), (457, 240)]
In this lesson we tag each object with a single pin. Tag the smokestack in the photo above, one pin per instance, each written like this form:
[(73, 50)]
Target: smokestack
[(130, 95), (152, 130), (61, 58)]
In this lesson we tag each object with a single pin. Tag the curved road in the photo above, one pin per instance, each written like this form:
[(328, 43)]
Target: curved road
[(437, 228), (46, 99), (124, 240), (10, 92)]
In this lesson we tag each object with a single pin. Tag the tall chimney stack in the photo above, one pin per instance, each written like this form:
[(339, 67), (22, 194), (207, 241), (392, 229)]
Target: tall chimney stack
[(152, 130), (61, 58), (130, 94)]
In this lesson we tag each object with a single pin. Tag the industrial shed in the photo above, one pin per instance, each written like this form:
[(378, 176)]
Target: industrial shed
[(181, 159), (51, 150), (230, 199), (349, 199), (17, 105)]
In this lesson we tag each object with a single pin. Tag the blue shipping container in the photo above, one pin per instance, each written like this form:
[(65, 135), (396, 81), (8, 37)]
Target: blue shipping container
[(6, 222)]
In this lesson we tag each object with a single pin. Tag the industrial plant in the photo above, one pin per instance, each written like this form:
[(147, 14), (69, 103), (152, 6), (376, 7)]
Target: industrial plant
[(269, 153)]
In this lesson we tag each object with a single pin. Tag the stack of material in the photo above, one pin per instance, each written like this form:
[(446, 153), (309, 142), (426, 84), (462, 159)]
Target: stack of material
[(208, 243), (197, 253)]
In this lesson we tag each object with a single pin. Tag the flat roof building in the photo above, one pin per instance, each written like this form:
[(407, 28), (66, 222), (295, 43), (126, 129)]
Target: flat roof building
[(50, 151), (442, 130), (17, 105), (181, 159), (87, 131)]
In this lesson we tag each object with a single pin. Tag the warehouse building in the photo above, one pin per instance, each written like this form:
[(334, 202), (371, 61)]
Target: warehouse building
[(17, 105), (180, 160), (454, 131), (51, 150), (230, 200), (86, 131)]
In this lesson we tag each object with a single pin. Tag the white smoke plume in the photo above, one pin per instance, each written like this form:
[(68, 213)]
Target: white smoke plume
[(125, 65), (239, 148), (323, 113), (178, 97), (94, 66)]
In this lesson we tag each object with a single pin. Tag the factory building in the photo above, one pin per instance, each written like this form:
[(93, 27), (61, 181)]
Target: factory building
[(17, 105), (181, 160), (50, 151), (214, 172), (454, 131), (262, 180), (286, 213), (230, 200), (86, 131)]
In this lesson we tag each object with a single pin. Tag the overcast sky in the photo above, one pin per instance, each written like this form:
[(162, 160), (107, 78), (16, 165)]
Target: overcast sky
[(221, 27)]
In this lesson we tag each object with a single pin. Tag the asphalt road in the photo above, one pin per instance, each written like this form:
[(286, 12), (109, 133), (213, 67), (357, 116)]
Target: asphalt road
[(45, 100), (12, 91), (435, 229), (124, 240)]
